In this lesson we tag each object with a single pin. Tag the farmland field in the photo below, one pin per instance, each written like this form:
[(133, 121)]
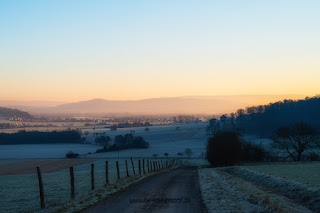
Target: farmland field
[(169, 139), (43, 150), (243, 189), (14, 188), (306, 173), (163, 139)]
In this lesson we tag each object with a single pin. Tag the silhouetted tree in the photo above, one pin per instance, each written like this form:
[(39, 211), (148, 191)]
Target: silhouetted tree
[(113, 127), (71, 154), (180, 154), (224, 149), (296, 140), (253, 153), (188, 152), (214, 126), (103, 140)]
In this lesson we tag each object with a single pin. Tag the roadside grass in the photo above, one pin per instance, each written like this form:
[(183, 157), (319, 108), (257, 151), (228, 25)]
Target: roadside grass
[(92, 198), (303, 172), (302, 194), (277, 187), (14, 188)]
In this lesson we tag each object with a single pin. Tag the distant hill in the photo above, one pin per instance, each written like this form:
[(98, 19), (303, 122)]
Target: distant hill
[(176, 105), (28, 105), (13, 113)]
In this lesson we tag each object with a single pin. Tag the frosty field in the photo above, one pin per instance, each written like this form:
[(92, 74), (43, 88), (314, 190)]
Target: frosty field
[(306, 173), (21, 192), (163, 139), (243, 189), (43, 150)]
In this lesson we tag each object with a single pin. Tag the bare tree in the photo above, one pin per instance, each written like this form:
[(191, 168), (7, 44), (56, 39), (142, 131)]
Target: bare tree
[(188, 152), (213, 127), (296, 140)]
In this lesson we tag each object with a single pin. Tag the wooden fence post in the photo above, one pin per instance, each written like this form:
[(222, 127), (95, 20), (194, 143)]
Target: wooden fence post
[(139, 167), (41, 188), (92, 176), (154, 166), (107, 172), (72, 182), (144, 170), (127, 168), (118, 172), (134, 172)]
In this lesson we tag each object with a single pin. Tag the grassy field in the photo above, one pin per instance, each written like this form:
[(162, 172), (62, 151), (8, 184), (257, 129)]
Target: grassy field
[(21, 191), (162, 139), (283, 187), (305, 173)]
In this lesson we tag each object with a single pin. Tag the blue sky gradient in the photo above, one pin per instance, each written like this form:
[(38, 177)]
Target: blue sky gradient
[(78, 50)]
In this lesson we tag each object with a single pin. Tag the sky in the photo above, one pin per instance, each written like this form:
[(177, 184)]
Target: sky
[(126, 50)]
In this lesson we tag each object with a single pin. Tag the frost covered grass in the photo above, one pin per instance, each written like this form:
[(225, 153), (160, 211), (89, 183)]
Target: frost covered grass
[(162, 139), (21, 192), (306, 173), (199, 162), (86, 200), (27, 151), (301, 194), (223, 191)]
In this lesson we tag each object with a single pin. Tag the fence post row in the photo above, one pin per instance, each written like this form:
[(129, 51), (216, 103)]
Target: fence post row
[(139, 167), (134, 172), (127, 168), (151, 165), (107, 172), (72, 182), (118, 172), (92, 176), (41, 188), (144, 170)]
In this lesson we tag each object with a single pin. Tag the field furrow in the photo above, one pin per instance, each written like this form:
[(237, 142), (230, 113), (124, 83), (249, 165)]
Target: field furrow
[(224, 192)]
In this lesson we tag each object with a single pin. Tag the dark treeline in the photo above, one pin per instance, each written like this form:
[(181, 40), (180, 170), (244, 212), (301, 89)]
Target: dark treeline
[(135, 124), (185, 119), (128, 141), (35, 137), (265, 119), (13, 113)]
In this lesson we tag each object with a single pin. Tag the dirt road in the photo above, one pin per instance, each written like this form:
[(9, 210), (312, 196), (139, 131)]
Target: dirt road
[(175, 191)]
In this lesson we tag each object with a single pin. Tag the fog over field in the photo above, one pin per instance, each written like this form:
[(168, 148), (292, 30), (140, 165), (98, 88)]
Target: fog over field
[(180, 105), (162, 139)]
